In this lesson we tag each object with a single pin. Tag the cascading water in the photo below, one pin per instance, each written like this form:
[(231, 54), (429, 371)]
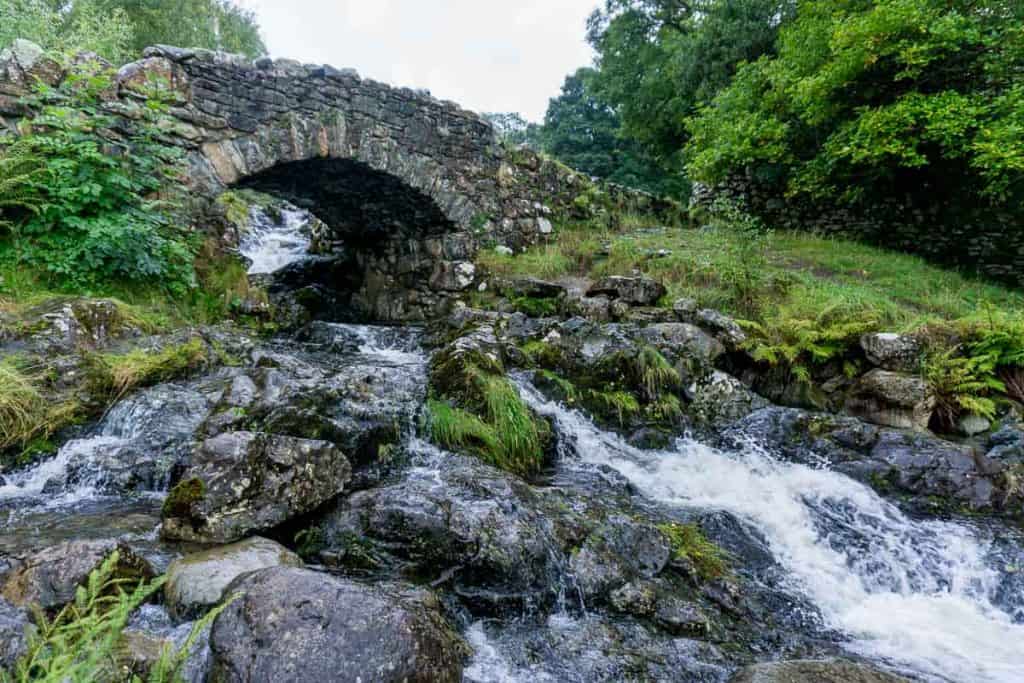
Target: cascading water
[(915, 594), (272, 244)]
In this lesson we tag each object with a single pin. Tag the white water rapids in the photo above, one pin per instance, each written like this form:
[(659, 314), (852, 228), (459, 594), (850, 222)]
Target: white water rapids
[(271, 244), (916, 594)]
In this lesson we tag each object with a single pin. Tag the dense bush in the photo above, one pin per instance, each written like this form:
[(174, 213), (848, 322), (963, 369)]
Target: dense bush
[(91, 205), (878, 98)]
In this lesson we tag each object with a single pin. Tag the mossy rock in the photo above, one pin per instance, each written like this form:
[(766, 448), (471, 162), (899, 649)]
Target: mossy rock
[(182, 497)]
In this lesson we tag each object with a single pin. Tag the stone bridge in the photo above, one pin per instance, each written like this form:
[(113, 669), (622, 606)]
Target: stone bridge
[(409, 185)]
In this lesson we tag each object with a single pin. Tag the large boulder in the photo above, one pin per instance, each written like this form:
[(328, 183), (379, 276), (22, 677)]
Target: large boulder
[(294, 625), (892, 399), (721, 398), (814, 671), (196, 582), (890, 351), (244, 482), (619, 551), (635, 291), (50, 577), (487, 524)]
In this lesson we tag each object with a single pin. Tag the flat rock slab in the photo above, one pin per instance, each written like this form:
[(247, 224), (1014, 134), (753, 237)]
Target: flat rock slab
[(196, 583)]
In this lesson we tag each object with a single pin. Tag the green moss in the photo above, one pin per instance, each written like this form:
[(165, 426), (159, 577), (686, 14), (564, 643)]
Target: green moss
[(182, 497), (535, 307), (656, 375), (690, 545), (113, 376), (564, 390), (668, 408), (542, 354)]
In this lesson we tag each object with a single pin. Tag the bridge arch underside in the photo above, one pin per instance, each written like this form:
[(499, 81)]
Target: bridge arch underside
[(385, 250)]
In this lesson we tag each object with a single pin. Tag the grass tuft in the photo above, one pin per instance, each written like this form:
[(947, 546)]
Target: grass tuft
[(114, 376)]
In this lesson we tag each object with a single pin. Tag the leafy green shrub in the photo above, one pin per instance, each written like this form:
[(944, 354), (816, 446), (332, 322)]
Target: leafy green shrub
[(1001, 342), (89, 211), (961, 385), (81, 642), (799, 343)]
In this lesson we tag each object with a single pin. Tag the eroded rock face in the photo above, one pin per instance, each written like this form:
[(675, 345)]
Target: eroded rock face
[(892, 399), (619, 551), (196, 583), (243, 482), (49, 578), (814, 671), (295, 625)]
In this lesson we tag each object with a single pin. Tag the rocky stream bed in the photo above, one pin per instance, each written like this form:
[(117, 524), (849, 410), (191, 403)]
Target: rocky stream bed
[(301, 477)]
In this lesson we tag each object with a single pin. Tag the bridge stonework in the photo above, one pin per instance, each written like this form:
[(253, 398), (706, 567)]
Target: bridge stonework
[(412, 185)]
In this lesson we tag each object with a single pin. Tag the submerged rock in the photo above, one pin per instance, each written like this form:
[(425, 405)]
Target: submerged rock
[(295, 625), (243, 482), (196, 583)]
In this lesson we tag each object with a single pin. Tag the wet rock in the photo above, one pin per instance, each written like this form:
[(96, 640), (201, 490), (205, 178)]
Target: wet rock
[(891, 460), (64, 326), (635, 291), (721, 399), (619, 551), (49, 578), (895, 352), (814, 671), (1007, 445), (13, 636), (483, 522), (295, 625), (680, 617), (722, 326), (196, 582), (892, 399), (596, 308), (243, 482)]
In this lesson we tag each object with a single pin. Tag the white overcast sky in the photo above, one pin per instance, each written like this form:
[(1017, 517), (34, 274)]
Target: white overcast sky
[(487, 55)]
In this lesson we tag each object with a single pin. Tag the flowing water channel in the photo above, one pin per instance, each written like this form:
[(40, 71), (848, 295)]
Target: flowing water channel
[(922, 597)]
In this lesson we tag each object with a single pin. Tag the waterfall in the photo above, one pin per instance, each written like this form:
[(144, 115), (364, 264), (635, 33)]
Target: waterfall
[(916, 594), (272, 244)]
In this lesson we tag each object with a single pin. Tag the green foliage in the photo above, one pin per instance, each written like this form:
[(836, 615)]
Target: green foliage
[(490, 420), (658, 60), (618, 405), (655, 374), (961, 385), (875, 98), (119, 30), (584, 132), (785, 337), (26, 415), (690, 545), (81, 642), (65, 27), (89, 214)]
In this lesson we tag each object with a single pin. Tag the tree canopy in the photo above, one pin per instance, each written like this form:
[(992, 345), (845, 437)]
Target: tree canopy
[(868, 98), (120, 29)]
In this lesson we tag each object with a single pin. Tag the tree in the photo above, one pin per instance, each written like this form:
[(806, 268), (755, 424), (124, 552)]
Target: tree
[(585, 133), (878, 98), (659, 60), (65, 28), (119, 30), (513, 129), (211, 24)]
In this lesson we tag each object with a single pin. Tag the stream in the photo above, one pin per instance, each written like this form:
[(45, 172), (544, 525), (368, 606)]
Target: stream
[(921, 597)]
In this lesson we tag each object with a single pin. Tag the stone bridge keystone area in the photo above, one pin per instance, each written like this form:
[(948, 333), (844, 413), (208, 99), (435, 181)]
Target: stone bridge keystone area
[(408, 186)]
